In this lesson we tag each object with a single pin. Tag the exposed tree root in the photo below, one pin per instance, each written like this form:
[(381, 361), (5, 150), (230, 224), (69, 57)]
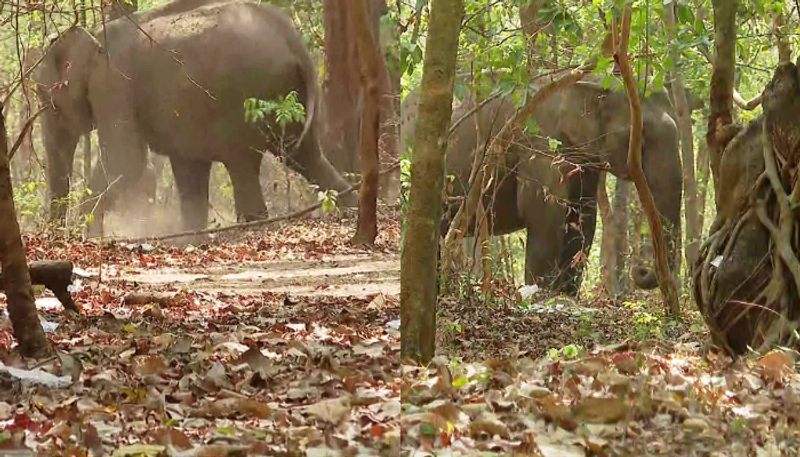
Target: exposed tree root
[(747, 277)]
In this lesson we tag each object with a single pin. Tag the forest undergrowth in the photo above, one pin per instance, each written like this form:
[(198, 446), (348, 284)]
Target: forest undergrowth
[(550, 376), (205, 365)]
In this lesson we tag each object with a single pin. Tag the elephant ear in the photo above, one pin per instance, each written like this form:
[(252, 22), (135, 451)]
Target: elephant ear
[(61, 75)]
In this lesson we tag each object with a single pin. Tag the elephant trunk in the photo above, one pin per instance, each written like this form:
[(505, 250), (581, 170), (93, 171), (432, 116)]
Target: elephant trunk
[(662, 167), (645, 277)]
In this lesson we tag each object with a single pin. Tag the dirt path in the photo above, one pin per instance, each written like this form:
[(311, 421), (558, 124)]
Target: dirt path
[(358, 275)]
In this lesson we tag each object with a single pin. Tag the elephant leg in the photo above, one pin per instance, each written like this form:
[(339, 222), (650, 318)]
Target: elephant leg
[(60, 143), (538, 196), (579, 231), (191, 179), (123, 157), (472, 250), (541, 255), (247, 194)]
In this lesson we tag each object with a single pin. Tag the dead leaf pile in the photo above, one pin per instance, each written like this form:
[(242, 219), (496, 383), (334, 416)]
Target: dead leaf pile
[(208, 373), (627, 400)]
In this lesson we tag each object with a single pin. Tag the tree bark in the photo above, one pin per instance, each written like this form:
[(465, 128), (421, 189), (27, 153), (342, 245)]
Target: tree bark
[(87, 158), (389, 188), (720, 118), (529, 19), (614, 243), (784, 51), (666, 280), (419, 262), (16, 280), (703, 178), (341, 87), (684, 120), (368, 56)]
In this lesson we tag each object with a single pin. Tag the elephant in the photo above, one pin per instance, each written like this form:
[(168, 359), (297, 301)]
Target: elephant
[(175, 79), (552, 194)]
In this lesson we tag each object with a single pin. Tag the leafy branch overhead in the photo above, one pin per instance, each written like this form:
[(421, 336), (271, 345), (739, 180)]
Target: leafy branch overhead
[(286, 110)]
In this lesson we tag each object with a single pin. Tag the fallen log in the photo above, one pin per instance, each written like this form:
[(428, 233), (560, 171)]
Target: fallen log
[(55, 275)]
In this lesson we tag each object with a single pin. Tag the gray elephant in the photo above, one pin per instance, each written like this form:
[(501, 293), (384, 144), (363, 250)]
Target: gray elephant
[(552, 194), (175, 79)]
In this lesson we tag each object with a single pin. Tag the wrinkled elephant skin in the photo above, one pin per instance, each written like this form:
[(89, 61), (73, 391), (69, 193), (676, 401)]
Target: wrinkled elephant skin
[(175, 79)]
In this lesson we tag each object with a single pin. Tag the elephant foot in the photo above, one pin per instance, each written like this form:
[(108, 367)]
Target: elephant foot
[(252, 217), (644, 278), (349, 200), (94, 228)]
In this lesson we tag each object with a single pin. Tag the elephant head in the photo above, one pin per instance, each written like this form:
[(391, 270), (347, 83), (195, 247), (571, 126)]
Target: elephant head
[(62, 87), (596, 123)]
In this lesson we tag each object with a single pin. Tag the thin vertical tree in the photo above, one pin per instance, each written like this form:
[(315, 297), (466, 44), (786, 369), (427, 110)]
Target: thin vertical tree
[(341, 86), (720, 119), (419, 262), (683, 117), (368, 58), (16, 278), (666, 281)]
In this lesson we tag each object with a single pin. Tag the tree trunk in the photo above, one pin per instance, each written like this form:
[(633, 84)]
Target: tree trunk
[(529, 19), (720, 118), (340, 89), (389, 144), (666, 281), (368, 56), (87, 158), (614, 244), (419, 263), (784, 51), (703, 179), (683, 117), (16, 279)]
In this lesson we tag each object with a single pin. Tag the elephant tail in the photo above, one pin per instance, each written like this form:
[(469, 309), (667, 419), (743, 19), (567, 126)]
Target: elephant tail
[(312, 94)]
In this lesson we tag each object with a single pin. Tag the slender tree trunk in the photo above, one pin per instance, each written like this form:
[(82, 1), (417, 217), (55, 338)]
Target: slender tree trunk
[(684, 120), (607, 253), (703, 178), (784, 51), (419, 263), (369, 56), (614, 244), (720, 118), (87, 158), (341, 87), (16, 278), (529, 18), (390, 114), (666, 281)]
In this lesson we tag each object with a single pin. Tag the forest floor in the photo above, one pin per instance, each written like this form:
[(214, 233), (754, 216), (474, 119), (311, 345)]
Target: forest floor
[(283, 341), (554, 377)]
